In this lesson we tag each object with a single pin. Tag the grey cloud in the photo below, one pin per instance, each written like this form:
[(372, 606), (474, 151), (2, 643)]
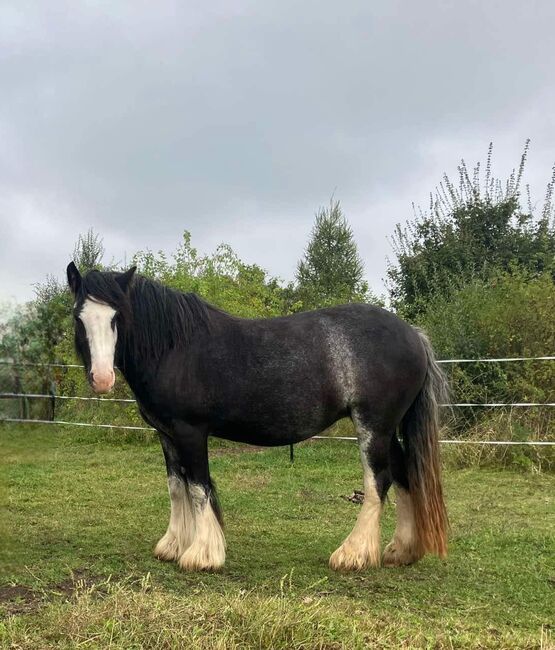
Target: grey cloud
[(237, 122)]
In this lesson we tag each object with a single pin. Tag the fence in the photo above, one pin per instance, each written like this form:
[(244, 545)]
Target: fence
[(53, 396)]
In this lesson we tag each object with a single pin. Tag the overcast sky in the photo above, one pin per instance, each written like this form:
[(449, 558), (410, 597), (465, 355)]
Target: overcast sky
[(237, 120)]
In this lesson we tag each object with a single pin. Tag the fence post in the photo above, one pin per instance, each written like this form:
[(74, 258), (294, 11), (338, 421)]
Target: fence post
[(52, 393), (23, 402)]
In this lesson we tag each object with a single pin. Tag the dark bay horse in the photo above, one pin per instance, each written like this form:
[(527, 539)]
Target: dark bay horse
[(198, 371)]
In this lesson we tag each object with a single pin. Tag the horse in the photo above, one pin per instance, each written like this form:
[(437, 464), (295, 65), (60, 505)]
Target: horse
[(197, 371)]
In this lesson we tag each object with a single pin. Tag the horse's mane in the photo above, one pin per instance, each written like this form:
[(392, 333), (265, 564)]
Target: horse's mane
[(164, 318), (155, 317)]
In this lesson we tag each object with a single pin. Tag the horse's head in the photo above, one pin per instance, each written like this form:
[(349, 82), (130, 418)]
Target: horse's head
[(101, 308)]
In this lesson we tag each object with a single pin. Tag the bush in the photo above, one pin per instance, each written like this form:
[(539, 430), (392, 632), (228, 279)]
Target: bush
[(510, 315)]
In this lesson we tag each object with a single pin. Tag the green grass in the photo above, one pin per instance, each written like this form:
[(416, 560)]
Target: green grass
[(73, 505)]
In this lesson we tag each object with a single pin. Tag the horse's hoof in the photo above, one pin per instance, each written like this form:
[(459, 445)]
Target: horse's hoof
[(349, 558), (397, 555), (200, 558), (167, 548)]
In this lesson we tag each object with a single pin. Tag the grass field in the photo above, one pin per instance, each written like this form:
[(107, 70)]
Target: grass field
[(80, 516)]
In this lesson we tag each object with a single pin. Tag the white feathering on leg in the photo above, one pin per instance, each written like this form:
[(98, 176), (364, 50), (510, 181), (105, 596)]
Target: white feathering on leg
[(361, 549), (181, 529), (207, 550)]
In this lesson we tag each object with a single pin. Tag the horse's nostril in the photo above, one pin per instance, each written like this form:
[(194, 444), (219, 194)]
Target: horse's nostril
[(102, 381)]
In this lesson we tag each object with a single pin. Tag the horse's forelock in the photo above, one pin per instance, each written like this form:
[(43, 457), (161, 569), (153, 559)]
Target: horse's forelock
[(102, 287)]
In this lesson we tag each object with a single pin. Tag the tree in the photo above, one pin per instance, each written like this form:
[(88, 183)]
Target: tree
[(88, 251), (469, 233), (221, 278), (331, 271), (36, 330)]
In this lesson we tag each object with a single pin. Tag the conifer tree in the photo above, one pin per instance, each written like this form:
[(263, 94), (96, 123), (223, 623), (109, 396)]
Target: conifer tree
[(331, 271)]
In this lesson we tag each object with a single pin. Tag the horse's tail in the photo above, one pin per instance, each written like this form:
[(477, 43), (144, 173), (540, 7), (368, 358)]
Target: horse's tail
[(420, 432)]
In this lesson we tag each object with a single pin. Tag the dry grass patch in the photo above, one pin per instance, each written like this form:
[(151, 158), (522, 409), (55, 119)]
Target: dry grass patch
[(130, 615)]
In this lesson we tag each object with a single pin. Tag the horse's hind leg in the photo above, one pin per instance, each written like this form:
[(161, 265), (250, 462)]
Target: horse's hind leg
[(362, 547), (404, 548)]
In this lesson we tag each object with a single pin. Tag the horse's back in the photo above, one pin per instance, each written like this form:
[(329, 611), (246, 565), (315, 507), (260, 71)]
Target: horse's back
[(316, 365), (364, 334)]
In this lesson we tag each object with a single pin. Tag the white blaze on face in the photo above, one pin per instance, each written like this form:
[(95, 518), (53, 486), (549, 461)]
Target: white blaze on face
[(97, 319)]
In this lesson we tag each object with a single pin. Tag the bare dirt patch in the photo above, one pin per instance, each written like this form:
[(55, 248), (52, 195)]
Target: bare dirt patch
[(80, 579), (19, 599)]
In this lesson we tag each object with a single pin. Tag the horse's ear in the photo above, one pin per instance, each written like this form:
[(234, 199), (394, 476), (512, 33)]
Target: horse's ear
[(124, 279), (73, 277)]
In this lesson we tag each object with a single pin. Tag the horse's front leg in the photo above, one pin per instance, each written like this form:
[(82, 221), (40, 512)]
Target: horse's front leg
[(200, 538), (180, 532)]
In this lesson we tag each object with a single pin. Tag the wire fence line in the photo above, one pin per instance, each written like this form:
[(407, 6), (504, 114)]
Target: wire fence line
[(447, 361), (501, 359), (535, 443), (79, 424), (498, 404), (54, 396), (9, 362), (132, 401), (139, 428)]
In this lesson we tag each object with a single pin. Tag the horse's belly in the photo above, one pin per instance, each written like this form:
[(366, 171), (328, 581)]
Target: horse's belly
[(265, 434)]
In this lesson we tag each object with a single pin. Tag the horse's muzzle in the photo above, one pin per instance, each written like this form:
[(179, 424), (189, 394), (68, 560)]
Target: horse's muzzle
[(102, 382)]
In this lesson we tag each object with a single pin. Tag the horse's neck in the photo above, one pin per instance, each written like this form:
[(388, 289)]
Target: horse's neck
[(199, 319), (137, 371)]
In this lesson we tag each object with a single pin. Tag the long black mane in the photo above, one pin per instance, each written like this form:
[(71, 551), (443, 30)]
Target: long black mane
[(153, 318), (164, 318)]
